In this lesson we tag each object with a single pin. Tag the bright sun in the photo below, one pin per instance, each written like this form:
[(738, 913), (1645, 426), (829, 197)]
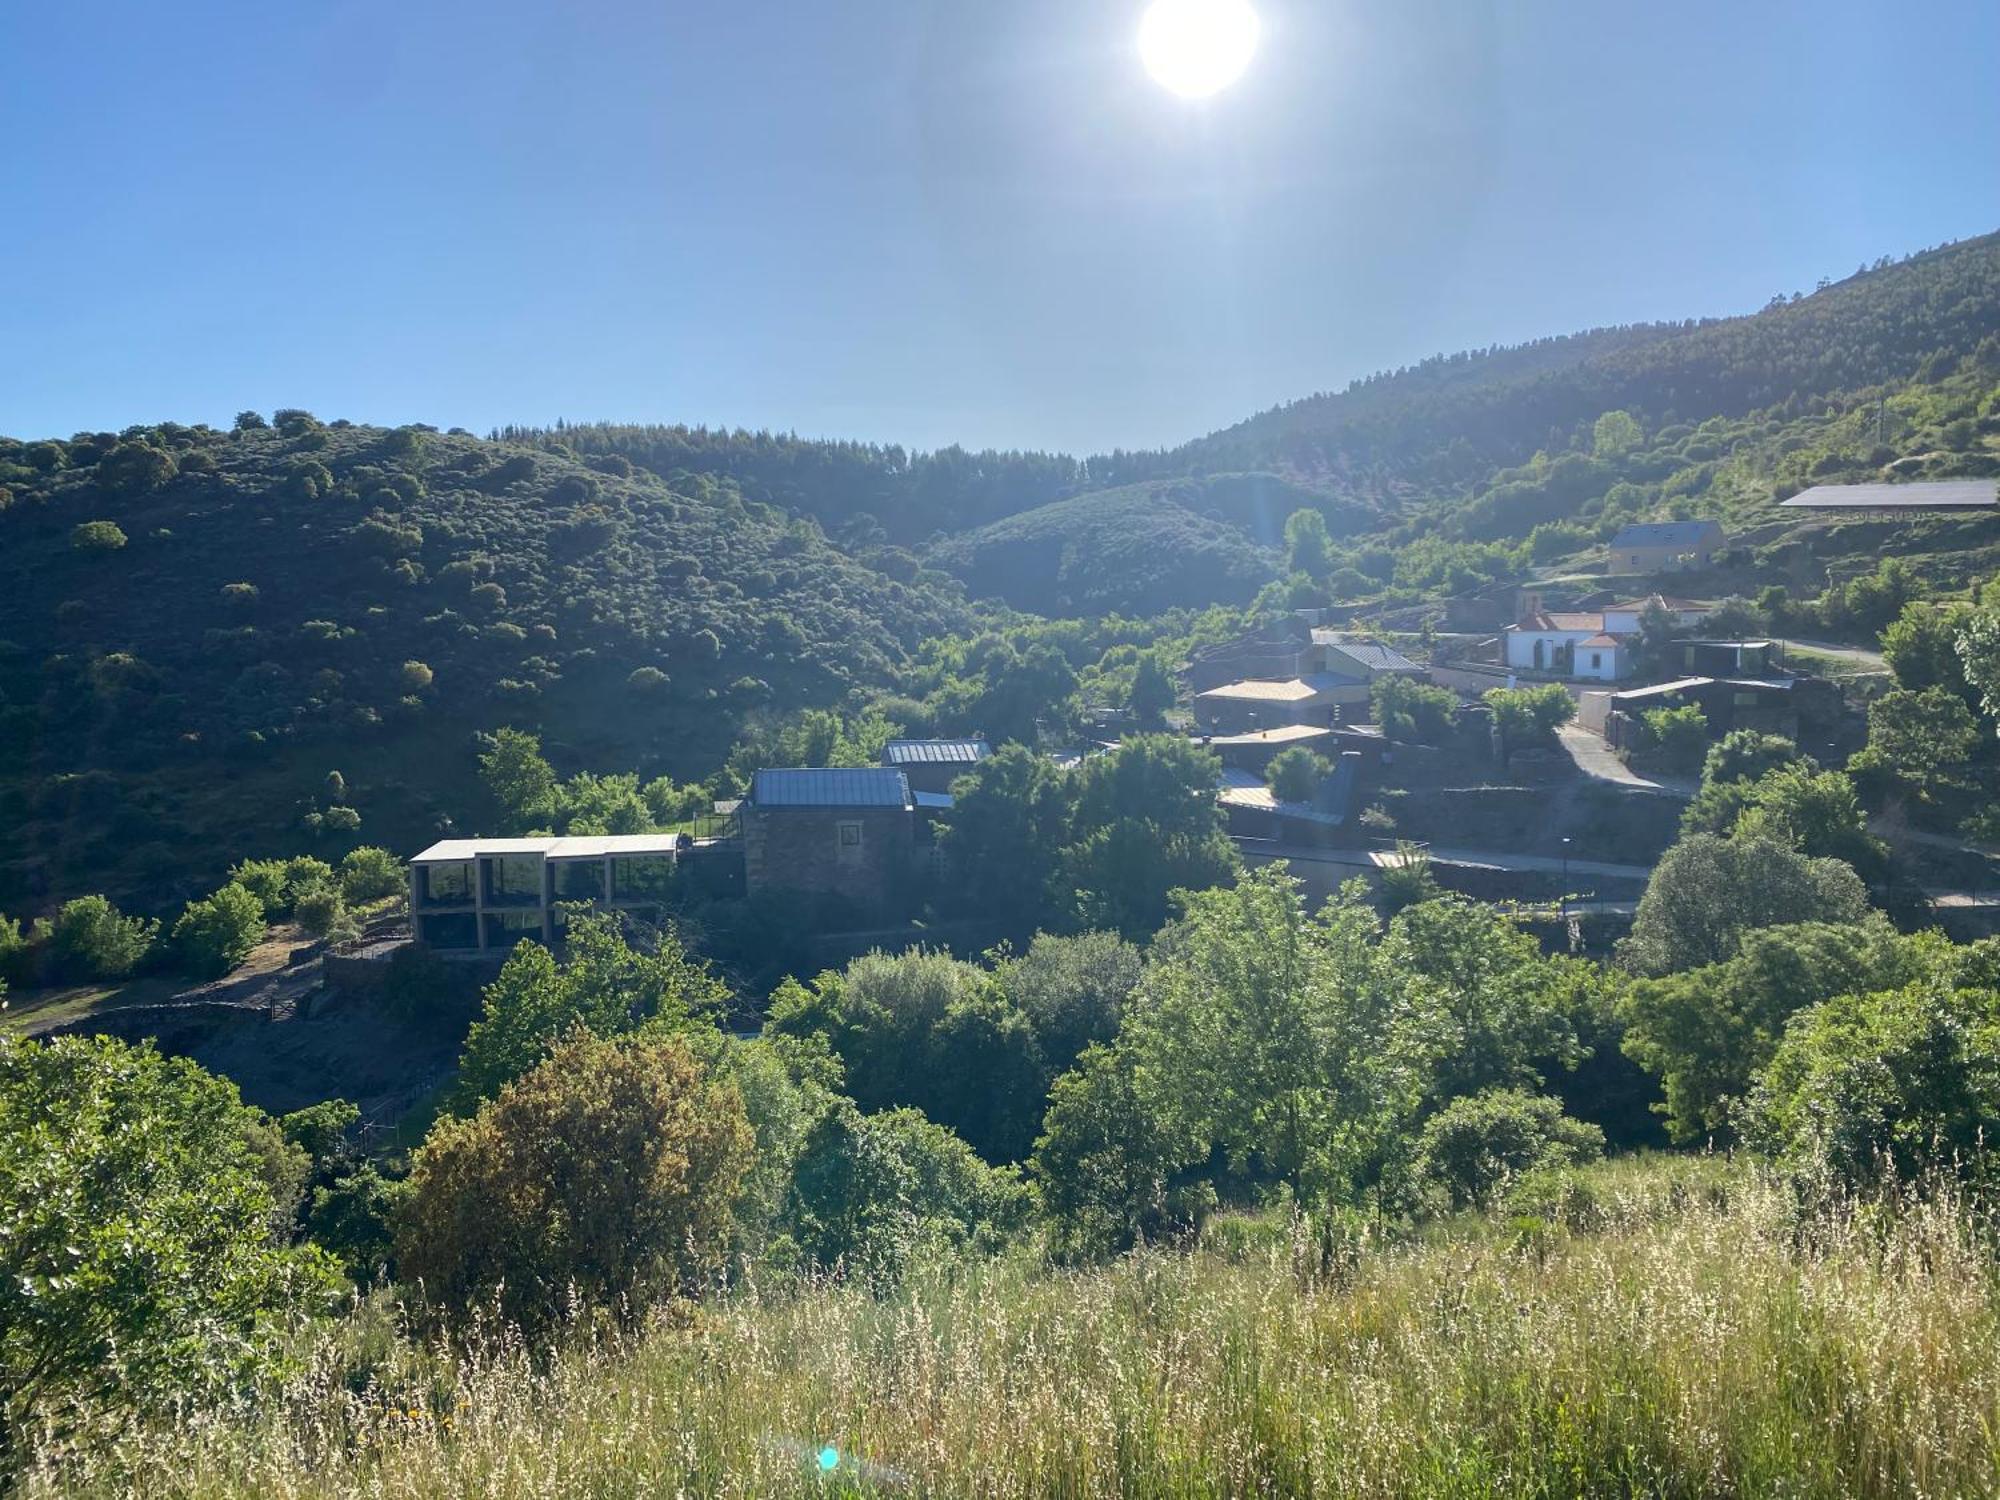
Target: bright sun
[(1197, 47)]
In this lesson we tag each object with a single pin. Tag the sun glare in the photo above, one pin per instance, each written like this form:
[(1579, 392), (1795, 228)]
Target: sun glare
[(1197, 47)]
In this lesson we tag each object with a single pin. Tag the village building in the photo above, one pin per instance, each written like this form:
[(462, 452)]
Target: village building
[(1666, 546), (1588, 645), (1368, 660), (486, 895), (1318, 698), (933, 765), (845, 837)]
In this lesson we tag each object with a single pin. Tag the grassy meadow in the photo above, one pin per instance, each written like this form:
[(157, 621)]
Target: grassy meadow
[(1660, 1327)]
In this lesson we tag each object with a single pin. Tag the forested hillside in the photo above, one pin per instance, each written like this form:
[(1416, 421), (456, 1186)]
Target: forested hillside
[(1138, 549), (200, 626), (312, 597), (1451, 419)]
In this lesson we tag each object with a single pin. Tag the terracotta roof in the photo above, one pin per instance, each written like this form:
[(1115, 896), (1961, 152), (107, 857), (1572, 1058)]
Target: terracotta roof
[(1602, 640), (1560, 620)]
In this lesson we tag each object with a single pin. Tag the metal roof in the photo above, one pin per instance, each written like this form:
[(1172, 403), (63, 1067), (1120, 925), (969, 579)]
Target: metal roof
[(1943, 494), (933, 801), (577, 846), (830, 786), (458, 851), (1371, 654), (1666, 533), (1661, 689), (935, 752), (1278, 734), (600, 846)]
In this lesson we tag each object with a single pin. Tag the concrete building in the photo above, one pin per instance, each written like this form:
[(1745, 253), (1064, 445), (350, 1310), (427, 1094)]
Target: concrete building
[(846, 839), (1666, 546), (1262, 703), (933, 765), (1277, 649), (486, 895), (1367, 660)]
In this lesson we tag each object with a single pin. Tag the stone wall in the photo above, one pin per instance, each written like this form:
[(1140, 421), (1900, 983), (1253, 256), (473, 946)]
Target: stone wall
[(856, 857)]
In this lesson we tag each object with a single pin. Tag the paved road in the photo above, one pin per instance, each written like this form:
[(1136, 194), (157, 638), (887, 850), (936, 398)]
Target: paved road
[(1597, 760), (1860, 656)]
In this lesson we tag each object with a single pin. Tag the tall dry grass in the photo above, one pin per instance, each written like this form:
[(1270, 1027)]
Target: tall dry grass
[(1687, 1337)]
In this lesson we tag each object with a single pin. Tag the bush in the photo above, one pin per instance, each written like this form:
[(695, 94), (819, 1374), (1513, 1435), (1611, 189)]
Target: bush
[(369, 874), (1419, 712), (1706, 892), (216, 934), (340, 820), (137, 1271), (1528, 714), (322, 914), (1295, 774), (416, 677), (1108, 1171), (1868, 1089), (1676, 738), (91, 939), (875, 1193), (605, 1173), (97, 536), (1473, 1147)]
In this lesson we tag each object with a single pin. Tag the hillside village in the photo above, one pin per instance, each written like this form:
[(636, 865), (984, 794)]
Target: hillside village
[(1166, 750)]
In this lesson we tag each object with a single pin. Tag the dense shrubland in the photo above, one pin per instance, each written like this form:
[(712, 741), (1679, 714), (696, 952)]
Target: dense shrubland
[(1253, 1100)]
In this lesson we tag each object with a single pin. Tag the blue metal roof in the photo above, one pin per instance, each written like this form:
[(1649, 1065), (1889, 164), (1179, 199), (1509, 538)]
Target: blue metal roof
[(830, 786), (935, 752)]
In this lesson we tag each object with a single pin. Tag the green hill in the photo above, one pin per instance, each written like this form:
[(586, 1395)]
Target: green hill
[(201, 625), (1135, 550)]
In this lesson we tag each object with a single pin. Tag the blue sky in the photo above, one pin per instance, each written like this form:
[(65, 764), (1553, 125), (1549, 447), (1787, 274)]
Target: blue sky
[(924, 221)]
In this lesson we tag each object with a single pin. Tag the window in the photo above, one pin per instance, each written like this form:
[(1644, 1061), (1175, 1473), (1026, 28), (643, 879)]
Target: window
[(1596, 660), (850, 835)]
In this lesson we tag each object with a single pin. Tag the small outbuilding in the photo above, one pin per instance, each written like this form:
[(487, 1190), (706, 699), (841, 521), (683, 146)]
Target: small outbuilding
[(933, 765), (1666, 546), (843, 836)]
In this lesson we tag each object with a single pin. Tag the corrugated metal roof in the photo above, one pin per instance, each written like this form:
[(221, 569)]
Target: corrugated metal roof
[(933, 801), (1939, 494), (1661, 689), (830, 786), (935, 752), (1371, 654), (1666, 533)]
